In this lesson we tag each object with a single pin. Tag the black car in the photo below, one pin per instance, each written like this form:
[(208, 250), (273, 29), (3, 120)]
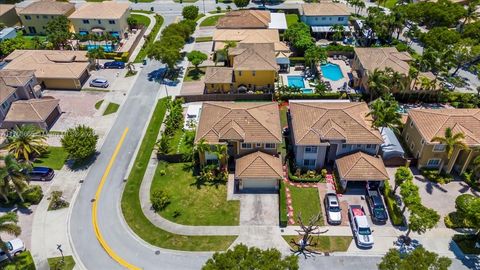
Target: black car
[(114, 64), (376, 206), (41, 174)]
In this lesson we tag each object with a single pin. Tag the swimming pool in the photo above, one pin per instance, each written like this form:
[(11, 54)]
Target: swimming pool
[(331, 71), (296, 81), (106, 47), (307, 91)]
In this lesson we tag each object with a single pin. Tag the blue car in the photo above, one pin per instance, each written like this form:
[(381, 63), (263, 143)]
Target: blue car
[(114, 64), (41, 174)]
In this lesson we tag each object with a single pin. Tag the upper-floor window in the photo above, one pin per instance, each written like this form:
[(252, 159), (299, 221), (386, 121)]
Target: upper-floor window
[(323, 18), (246, 145), (4, 105), (407, 138), (311, 149), (53, 17), (344, 146), (86, 21), (370, 146), (14, 95), (240, 73), (258, 145), (27, 17), (411, 123), (340, 19), (422, 141), (99, 21), (253, 73), (270, 146), (38, 17), (359, 146), (111, 21), (412, 145), (439, 147), (45, 16)]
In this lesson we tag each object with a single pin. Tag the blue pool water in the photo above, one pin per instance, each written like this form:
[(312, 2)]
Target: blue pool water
[(296, 81), (307, 90), (331, 71), (106, 48)]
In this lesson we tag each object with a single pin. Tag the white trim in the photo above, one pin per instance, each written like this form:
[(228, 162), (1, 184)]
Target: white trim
[(433, 166), (439, 151), (310, 152)]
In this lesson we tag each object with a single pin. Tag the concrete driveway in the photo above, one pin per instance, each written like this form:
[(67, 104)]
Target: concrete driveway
[(259, 209), (205, 47)]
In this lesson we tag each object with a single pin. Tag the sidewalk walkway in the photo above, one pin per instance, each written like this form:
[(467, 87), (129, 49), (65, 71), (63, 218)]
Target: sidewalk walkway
[(153, 21)]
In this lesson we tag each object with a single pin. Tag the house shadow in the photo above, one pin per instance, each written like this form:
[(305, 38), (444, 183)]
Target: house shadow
[(469, 261)]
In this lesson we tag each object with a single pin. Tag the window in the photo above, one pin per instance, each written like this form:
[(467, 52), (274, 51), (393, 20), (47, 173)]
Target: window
[(316, 18), (85, 21), (411, 123), (439, 148), (259, 145), (53, 17), (407, 138), (433, 162), (340, 19), (309, 162), (45, 16), (38, 17), (111, 22), (422, 142), (213, 85), (212, 161), (359, 146), (27, 17), (239, 73), (323, 18), (370, 146), (246, 145), (4, 105), (311, 149), (418, 154), (253, 73), (270, 146), (99, 21), (32, 30), (14, 95), (412, 145), (344, 146)]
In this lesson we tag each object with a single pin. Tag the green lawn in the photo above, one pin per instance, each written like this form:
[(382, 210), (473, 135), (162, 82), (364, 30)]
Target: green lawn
[(211, 21), (199, 16), (54, 158), (69, 263), (111, 108), (178, 143), (143, 11), (98, 104), (156, 28), (291, 19), (132, 210), (325, 243), (283, 116), (24, 261), (141, 19), (307, 202), (198, 204), (203, 39), (193, 74)]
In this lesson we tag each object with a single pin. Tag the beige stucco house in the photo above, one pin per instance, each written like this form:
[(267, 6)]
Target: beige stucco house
[(8, 15), (16, 85), (39, 112), (101, 18), (36, 16), (425, 124)]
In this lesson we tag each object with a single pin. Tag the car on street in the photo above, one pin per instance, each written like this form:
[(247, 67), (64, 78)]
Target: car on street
[(376, 205), (360, 227), (41, 174), (114, 64), (332, 209), (15, 247), (99, 82)]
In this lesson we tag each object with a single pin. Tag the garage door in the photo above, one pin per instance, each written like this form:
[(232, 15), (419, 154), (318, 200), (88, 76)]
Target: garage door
[(259, 183)]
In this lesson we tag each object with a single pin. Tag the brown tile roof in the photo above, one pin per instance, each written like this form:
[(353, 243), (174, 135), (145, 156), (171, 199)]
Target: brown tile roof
[(33, 110), (434, 122), (254, 57), (102, 10), (16, 78), (381, 58), (5, 91), (249, 36), (47, 8), (244, 121), (245, 19), (316, 122), (219, 75), (361, 167), (324, 9), (4, 8), (258, 165), (49, 63)]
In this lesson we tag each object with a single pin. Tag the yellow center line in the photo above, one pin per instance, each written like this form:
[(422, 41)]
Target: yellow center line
[(100, 238)]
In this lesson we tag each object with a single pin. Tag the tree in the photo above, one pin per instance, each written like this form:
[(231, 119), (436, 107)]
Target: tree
[(163, 145), (476, 165), (243, 257), (307, 232), (409, 194), (241, 3), (202, 147), (8, 225), (166, 54), (384, 112), (464, 52), (298, 34), (472, 31), (26, 141), (471, 14), (58, 31), (80, 142), (9, 45), (14, 174), (222, 155), (422, 219), (160, 200), (418, 259), (442, 13), (337, 30), (132, 22), (315, 54), (196, 58), (377, 83), (439, 38), (96, 54), (451, 142), (402, 175), (225, 51), (190, 12)]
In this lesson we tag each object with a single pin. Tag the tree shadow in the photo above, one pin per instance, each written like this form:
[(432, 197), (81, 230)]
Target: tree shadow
[(80, 165), (195, 74)]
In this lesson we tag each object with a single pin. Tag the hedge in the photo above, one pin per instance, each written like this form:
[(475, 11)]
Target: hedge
[(294, 178), (283, 205), (394, 211), (296, 59), (434, 176), (326, 95), (339, 48)]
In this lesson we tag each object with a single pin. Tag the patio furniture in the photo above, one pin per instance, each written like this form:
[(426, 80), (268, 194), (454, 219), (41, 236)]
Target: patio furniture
[(335, 57)]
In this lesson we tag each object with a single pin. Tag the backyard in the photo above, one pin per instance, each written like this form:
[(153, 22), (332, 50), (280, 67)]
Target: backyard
[(191, 202), (211, 21), (306, 201), (54, 158)]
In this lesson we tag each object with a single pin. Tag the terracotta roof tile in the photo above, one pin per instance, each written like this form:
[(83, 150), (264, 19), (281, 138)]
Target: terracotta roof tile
[(258, 165), (220, 36), (48, 7), (254, 57), (245, 19), (218, 75), (381, 58), (4, 8), (102, 10), (361, 167), (324, 8), (33, 110)]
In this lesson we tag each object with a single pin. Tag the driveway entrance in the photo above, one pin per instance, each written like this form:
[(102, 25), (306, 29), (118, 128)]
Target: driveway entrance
[(259, 209)]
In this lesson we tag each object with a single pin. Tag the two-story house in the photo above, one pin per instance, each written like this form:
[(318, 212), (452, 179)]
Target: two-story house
[(322, 16), (101, 18), (252, 133), (253, 67), (8, 15), (37, 15), (425, 124), (15, 85), (252, 19)]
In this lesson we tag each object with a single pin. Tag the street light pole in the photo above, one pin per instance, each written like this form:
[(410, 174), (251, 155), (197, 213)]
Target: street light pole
[(204, 7)]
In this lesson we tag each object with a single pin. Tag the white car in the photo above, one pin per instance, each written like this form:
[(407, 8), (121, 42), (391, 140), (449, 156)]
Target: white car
[(332, 208), (360, 227), (15, 247), (99, 82)]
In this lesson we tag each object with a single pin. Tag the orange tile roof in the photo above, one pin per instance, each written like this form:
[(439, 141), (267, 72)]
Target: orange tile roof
[(324, 8), (33, 110), (257, 56), (258, 165), (361, 167), (47, 7), (245, 19), (381, 58)]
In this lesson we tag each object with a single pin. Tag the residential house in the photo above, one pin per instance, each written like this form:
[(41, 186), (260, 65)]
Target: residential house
[(39, 112), (260, 36), (425, 124), (8, 15), (253, 67), (252, 19), (322, 16), (360, 167), (37, 15), (101, 18), (8, 33), (366, 60), (252, 133), (16, 85), (53, 69)]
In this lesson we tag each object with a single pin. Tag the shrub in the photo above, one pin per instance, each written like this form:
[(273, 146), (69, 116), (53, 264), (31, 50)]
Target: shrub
[(283, 205), (56, 201), (33, 194), (23, 261), (455, 220), (160, 200), (80, 142), (309, 176), (434, 176), (326, 95), (468, 177), (394, 210), (339, 48)]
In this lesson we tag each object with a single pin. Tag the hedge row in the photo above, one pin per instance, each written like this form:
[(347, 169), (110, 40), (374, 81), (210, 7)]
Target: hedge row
[(394, 210), (283, 205)]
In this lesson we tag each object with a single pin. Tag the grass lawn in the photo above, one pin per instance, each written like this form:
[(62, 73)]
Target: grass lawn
[(466, 243), (193, 74), (291, 19), (203, 39), (98, 104), (389, 3), (111, 108), (141, 19), (54, 158), (199, 16), (132, 210), (185, 1), (211, 21), (198, 204), (178, 144), (143, 11), (69, 263), (325, 243), (307, 202), (156, 28), (283, 116), (24, 261)]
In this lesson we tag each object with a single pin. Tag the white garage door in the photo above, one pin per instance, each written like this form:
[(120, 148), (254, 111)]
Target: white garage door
[(259, 183)]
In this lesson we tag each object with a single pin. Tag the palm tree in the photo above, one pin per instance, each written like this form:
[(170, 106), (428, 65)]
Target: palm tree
[(225, 51), (96, 54), (471, 14), (15, 174), (221, 151), (451, 142), (385, 113), (337, 30), (8, 225), (202, 147), (131, 67), (25, 141), (377, 83), (476, 165)]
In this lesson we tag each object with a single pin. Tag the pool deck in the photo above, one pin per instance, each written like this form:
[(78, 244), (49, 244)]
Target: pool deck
[(293, 72), (345, 70)]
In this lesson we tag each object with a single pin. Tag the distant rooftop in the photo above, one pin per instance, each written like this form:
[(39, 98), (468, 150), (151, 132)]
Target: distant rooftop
[(47, 8), (102, 10)]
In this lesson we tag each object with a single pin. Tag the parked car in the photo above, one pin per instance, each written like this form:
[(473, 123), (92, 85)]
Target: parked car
[(114, 64), (15, 247), (360, 227), (41, 174), (99, 82), (332, 208), (376, 205)]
